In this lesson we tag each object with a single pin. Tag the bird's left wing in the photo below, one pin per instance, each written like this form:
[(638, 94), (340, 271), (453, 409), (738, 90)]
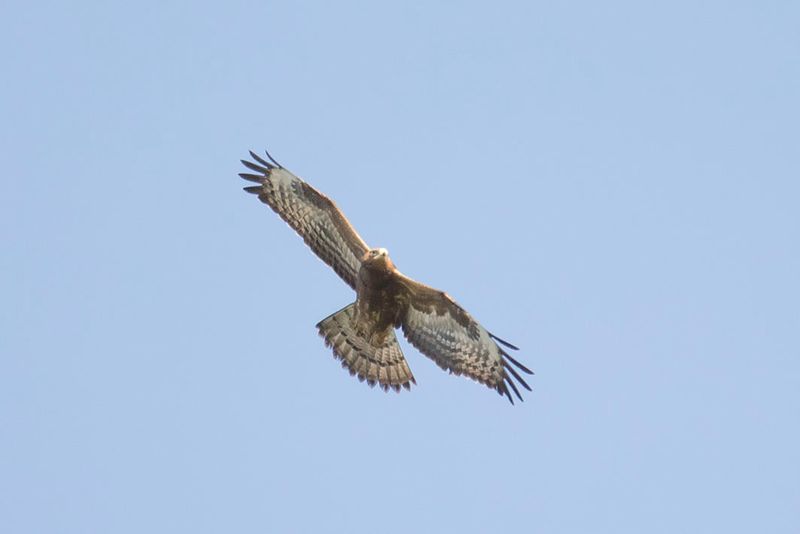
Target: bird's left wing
[(442, 330), (314, 216)]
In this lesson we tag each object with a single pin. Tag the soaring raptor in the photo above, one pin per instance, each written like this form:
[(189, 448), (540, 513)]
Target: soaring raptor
[(362, 333)]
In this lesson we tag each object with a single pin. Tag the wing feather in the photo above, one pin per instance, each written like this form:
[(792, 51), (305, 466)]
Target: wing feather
[(442, 330), (320, 223)]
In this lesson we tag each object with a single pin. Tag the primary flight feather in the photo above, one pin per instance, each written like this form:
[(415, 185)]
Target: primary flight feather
[(362, 334)]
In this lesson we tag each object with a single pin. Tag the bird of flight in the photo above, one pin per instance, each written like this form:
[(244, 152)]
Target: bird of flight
[(362, 334)]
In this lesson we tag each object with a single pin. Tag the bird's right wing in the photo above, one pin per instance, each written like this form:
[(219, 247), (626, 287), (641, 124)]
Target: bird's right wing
[(314, 216), (442, 330)]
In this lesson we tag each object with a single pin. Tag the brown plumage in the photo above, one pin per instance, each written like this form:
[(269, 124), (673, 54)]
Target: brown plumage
[(362, 335)]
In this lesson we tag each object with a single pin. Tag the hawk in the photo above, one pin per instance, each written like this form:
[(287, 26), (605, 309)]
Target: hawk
[(362, 334)]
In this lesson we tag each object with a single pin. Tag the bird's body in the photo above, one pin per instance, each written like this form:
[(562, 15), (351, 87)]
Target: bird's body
[(362, 334), (379, 299)]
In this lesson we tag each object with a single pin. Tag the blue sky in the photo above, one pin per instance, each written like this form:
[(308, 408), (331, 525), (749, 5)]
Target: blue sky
[(614, 187)]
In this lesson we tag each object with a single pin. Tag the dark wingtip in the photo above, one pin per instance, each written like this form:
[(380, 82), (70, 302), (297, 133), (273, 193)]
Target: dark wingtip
[(252, 177), (515, 362), (261, 160), (255, 190), (503, 341), (272, 159), (514, 387), (502, 389), (516, 375), (258, 168)]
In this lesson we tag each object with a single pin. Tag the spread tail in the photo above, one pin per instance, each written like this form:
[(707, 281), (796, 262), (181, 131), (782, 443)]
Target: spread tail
[(377, 362)]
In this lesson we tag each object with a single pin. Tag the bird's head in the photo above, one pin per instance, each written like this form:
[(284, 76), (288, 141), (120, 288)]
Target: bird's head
[(377, 257), (377, 253)]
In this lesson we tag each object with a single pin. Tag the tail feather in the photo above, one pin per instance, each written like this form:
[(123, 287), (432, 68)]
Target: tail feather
[(382, 363)]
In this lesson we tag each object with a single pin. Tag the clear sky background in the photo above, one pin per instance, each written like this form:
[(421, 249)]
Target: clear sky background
[(611, 186)]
